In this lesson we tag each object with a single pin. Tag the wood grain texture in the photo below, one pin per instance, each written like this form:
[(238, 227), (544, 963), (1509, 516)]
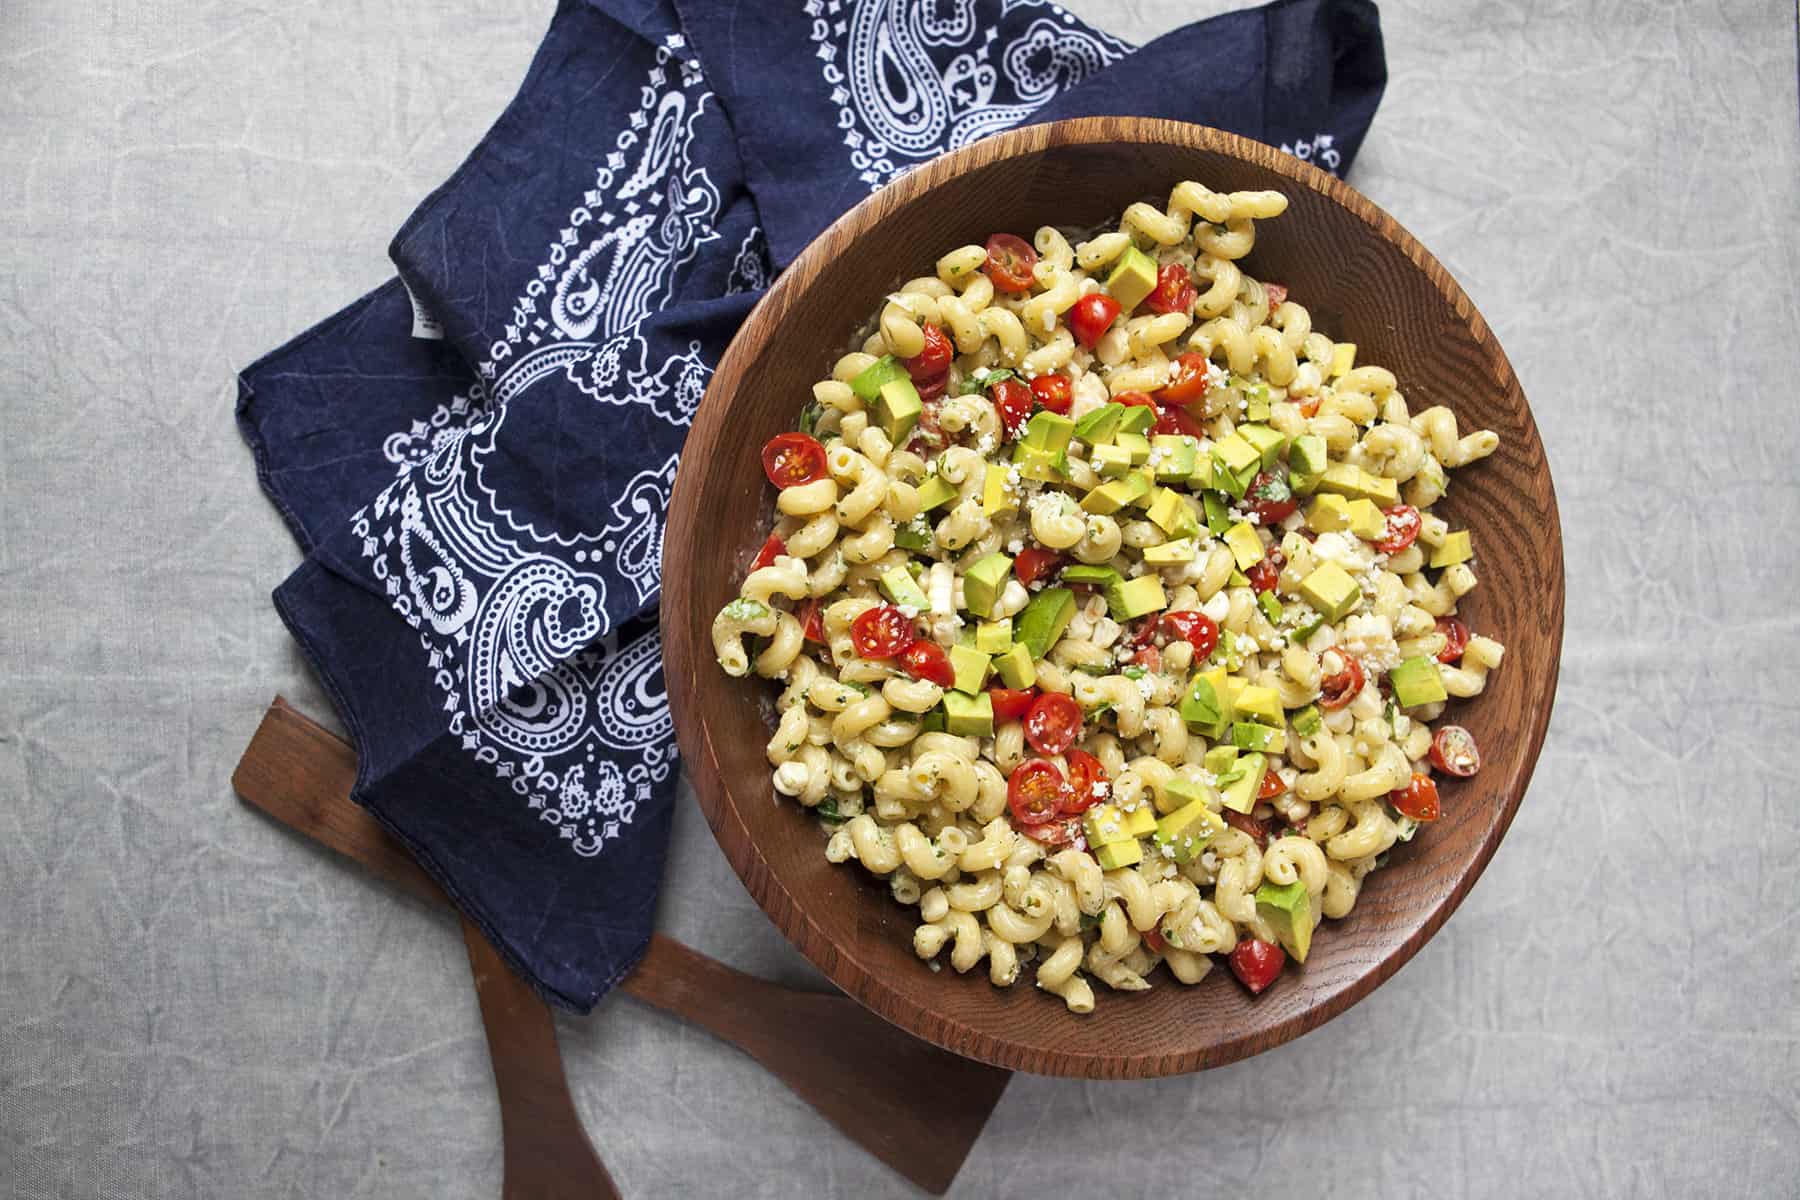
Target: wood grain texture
[(911, 1104), (1366, 280)]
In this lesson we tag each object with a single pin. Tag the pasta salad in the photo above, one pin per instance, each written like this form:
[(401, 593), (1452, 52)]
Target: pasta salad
[(1108, 609)]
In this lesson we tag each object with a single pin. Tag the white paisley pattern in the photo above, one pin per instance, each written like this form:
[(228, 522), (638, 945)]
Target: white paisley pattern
[(511, 616), (897, 108), (1320, 152)]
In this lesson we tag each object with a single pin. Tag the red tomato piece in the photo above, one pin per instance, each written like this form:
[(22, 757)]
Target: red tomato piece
[(1009, 263), (770, 549), (1191, 626), (934, 359), (1189, 382), (1134, 400), (1270, 497), (1402, 529), (1091, 317), (932, 388), (1088, 783), (1257, 963), (1174, 290), (1149, 658), (1309, 407), (1271, 786), (1265, 573), (929, 661), (1010, 705), (881, 632), (1245, 823), (1053, 723), (1418, 799), (812, 625), (1063, 832), (1456, 638), (1341, 688), (1054, 392), (1453, 751), (1153, 938), (1035, 792), (1175, 419), (1277, 294), (793, 459), (1034, 563), (1013, 400)]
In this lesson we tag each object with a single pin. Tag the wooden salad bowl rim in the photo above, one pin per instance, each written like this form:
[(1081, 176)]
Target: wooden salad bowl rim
[(719, 516)]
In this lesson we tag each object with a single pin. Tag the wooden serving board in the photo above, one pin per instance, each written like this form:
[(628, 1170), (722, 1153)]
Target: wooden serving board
[(915, 1107)]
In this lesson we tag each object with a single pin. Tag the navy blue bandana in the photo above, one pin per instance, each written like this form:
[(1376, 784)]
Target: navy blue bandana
[(477, 457)]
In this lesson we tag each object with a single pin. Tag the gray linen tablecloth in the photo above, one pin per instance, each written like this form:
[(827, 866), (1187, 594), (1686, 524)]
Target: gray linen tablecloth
[(193, 1003)]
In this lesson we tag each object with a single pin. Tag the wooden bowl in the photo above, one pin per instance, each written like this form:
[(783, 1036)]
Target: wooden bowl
[(1365, 280)]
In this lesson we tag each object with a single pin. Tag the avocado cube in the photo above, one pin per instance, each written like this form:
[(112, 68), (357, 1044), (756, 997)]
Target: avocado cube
[(1258, 704), (1249, 735), (1140, 821), (1088, 573), (1306, 628), (1331, 591), (983, 582), (869, 381), (913, 535), (1271, 607), (1245, 546), (1171, 513), (1110, 461), (1366, 521), (1015, 668), (1268, 442), (1104, 825), (1417, 681), (1108, 498), (1098, 427), (1174, 455), (1328, 513), (1120, 854), (1204, 707), (997, 493), (1202, 476), (1341, 479), (1048, 431), (1288, 910), (1143, 480), (1135, 597), (935, 492), (1043, 620), (1188, 830), (1256, 404), (1234, 455), (1246, 773), (1307, 721), (898, 583), (897, 409), (1218, 517), (971, 667), (1455, 549), (994, 637), (1133, 277), (1343, 358), (1220, 760), (1136, 420), (1307, 460), (968, 716), (1134, 444), (1171, 554), (1380, 490), (1034, 462)]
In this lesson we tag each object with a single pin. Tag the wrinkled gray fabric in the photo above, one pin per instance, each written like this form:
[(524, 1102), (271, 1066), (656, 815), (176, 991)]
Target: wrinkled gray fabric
[(194, 1003)]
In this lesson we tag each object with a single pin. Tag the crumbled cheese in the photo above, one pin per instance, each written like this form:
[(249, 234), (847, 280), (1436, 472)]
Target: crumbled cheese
[(1346, 550), (1014, 546), (1370, 637), (1146, 688)]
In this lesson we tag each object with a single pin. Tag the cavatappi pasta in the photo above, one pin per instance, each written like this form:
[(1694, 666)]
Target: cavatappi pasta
[(1108, 608)]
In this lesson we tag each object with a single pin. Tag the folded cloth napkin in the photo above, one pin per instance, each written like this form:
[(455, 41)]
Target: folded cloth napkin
[(477, 456)]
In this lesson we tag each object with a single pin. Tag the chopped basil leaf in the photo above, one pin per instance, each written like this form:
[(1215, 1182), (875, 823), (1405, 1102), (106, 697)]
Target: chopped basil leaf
[(1134, 672), (809, 418)]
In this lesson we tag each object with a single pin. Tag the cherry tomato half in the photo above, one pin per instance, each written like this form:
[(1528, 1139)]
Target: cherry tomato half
[(1054, 392), (1153, 938), (1247, 824), (1265, 573), (1456, 638), (1064, 832), (1174, 290), (928, 661), (934, 359), (881, 632), (1453, 751), (1271, 786), (1402, 529), (1013, 400), (1010, 705), (770, 549), (1034, 563), (1149, 658), (1277, 294), (1270, 497), (1009, 263), (1340, 689), (1309, 407), (1091, 317), (1174, 419), (1088, 783), (1053, 723), (1191, 626), (793, 459), (932, 387), (812, 625), (1418, 799), (1035, 792), (1189, 382), (1257, 963)]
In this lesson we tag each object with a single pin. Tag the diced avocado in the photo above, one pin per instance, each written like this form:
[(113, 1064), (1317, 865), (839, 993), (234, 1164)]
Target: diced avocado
[(1174, 455), (1110, 497), (1048, 431), (1135, 597), (971, 667), (1110, 461), (1343, 479), (1134, 444), (1307, 627), (1307, 721), (933, 721), (1088, 573), (997, 492), (1343, 357), (1234, 455), (1205, 708), (897, 408), (1098, 427), (1271, 607), (1307, 460), (1288, 910), (1171, 554), (994, 637), (1120, 854), (1259, 704), (1015, 668), (984, 581), (1034, 462), (1180, 790), (868, 382), (935, 491), (1249, 735), (1366, 521), (1220, 760), (968, 716), (1245, 546), (1133, 277), (898, 583), (1043, 620), (1144, 481), (1140, 821), (1328, 513), (1455, 549), (1202, 476), (1239, 794), (1137, 419), (1256, 404), (1104, 825), (913, 535), (1218, 517), (1268, 442), (1416, 681), (1188, 830), (1331, 591), (1171, 513), (1384, 492)]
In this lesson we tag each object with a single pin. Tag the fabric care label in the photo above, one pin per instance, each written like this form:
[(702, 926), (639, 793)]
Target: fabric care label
[(424, 324)]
